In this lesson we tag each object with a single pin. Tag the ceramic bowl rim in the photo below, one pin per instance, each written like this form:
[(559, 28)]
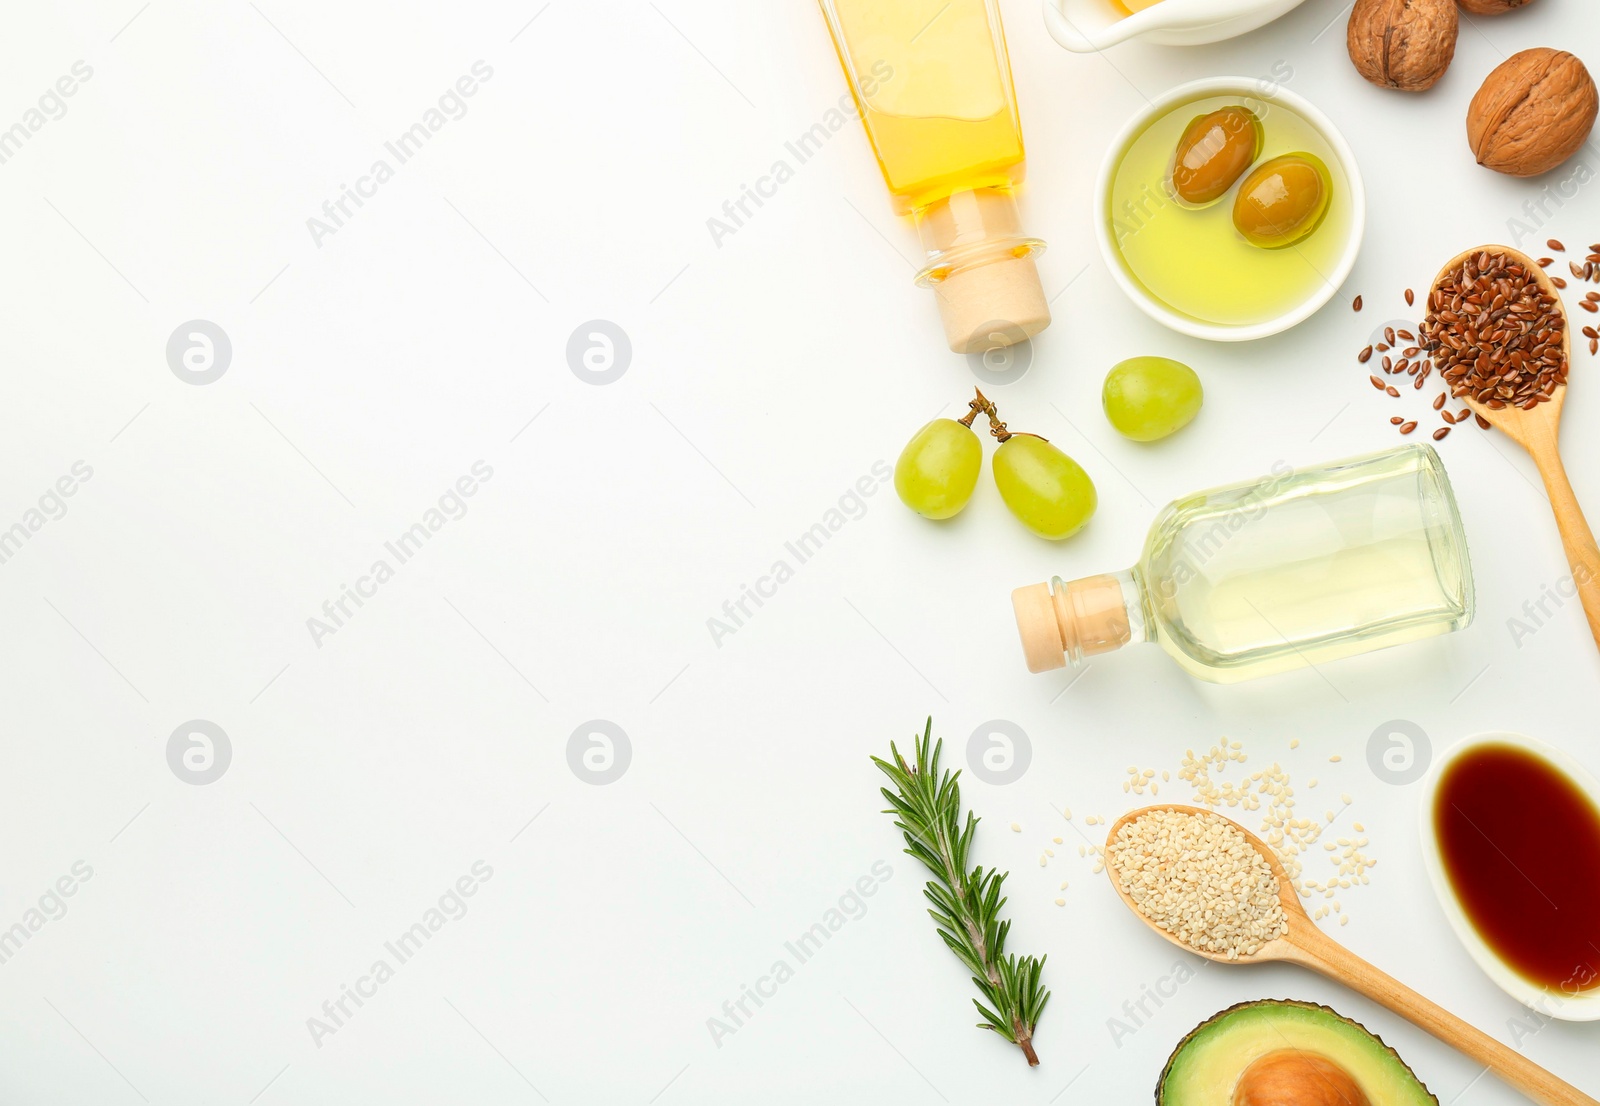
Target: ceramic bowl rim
[(1581, 1007), (1246, 87)]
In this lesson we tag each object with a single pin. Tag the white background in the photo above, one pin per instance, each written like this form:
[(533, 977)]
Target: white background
[(768, 375)]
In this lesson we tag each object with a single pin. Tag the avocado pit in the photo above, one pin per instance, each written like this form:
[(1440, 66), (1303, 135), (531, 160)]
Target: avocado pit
[(1290, 1077)]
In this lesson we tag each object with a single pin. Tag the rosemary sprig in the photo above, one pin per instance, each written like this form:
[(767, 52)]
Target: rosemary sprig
[(966, 904)]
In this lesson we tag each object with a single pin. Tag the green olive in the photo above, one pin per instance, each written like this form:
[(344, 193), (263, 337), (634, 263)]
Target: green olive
[(1214, 150), (1283, 200)]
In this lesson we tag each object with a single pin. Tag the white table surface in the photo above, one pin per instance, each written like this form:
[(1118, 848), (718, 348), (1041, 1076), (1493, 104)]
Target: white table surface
[(372, 367)]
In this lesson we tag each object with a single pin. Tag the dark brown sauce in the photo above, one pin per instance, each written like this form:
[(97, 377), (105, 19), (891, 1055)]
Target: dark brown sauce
[(1521, 847)]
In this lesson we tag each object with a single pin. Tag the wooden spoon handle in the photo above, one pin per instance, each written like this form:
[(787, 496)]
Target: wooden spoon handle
[(1582, 554), (1325, 955)]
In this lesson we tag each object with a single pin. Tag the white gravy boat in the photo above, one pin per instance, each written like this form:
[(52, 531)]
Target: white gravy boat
[(1088, 26)]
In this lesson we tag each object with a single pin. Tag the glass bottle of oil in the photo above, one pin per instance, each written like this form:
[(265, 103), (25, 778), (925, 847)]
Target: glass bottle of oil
[(1300, 567), (932, 82)]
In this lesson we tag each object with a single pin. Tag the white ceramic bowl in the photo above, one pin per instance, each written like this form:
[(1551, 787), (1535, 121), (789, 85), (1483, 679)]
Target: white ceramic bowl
[(1247, 89), (1087, 26), (1581, 1007)]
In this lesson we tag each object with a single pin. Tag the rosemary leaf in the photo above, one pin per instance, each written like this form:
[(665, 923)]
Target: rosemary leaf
[(966, 903)]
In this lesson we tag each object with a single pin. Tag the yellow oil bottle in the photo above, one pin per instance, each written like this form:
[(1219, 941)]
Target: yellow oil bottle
[(932, 82)]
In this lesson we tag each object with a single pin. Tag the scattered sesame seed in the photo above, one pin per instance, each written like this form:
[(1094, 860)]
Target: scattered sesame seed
[(1061, 902), (1335, 759)]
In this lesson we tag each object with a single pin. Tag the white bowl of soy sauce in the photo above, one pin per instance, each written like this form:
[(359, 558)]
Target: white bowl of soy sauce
[(1511, 838)]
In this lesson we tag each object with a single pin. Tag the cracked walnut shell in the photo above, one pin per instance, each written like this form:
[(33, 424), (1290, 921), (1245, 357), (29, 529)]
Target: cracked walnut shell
[(1404, 44), (1532, 113)]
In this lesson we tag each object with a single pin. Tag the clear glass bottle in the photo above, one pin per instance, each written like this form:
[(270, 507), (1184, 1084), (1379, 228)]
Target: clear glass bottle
[(1300, 567), (932, 82)]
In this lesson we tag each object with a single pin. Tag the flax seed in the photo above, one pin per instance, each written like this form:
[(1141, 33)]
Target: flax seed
[(1411, 297), (1365, 355), (1555, 245), (1407, 427), (1355, 305)]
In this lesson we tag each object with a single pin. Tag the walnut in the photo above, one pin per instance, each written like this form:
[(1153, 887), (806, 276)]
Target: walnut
[(1405, 44), (1532, 113), (1489, 7)]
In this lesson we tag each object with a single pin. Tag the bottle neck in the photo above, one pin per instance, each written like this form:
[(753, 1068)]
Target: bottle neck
[(1068, 621), (973, 226)]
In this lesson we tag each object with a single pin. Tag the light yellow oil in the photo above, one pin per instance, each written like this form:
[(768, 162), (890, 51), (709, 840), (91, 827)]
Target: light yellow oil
[(1310, 567), (933, 84), (1195, 261)]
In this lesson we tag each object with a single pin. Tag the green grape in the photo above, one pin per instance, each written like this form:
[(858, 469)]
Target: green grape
[(1150, 397), (1047, 490), (939, 468)]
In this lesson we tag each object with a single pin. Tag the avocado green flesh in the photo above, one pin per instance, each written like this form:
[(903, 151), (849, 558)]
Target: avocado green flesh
[(1206, 1066)]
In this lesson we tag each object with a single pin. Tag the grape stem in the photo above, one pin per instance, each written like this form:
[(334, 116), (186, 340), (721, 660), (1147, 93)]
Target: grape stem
[(974, 406), (997, 428)]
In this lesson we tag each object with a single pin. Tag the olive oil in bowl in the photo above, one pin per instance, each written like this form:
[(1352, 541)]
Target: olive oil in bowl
[(1192, 268)]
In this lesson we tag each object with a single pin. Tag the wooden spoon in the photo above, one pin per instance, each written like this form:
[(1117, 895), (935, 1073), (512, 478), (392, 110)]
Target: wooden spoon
[(1308, 946), (1536, 431)]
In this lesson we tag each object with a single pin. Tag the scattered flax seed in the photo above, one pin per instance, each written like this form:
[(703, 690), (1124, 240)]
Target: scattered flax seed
[(1199, 878), (1546, 262), (1406, 427), (1411, 297), (1356, 304), (1483, 423), (1439, 434), (1555, 244), (1438, 401), (1558, 282), (1394, 392), (1365, 355)]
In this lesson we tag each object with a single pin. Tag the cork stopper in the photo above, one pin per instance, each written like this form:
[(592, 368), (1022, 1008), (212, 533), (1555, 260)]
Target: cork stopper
[(997, 304), (1071, 621), (981, 269)]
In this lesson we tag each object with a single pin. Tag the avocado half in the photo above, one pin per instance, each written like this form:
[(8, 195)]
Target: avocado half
[(1301, 1048)]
